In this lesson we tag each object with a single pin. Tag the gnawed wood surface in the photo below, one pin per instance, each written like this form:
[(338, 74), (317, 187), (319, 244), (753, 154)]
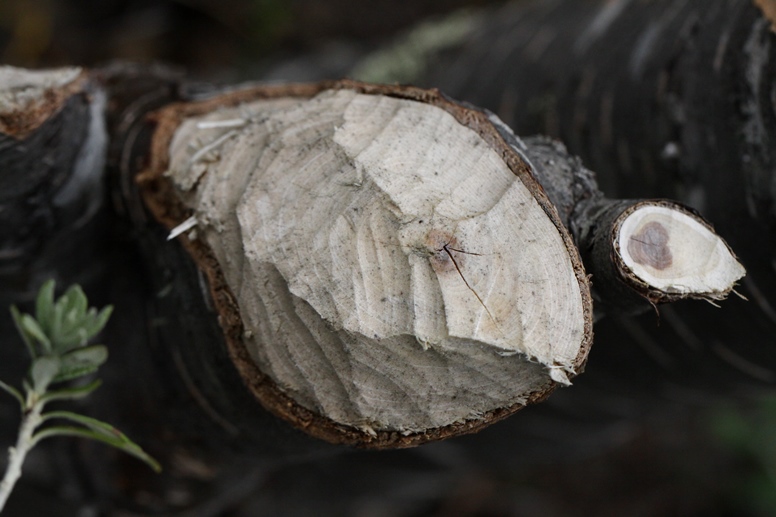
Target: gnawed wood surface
[(393, 271), (29, 97)]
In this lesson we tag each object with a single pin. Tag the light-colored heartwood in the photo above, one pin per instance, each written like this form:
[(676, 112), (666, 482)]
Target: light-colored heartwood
[(672, 251)]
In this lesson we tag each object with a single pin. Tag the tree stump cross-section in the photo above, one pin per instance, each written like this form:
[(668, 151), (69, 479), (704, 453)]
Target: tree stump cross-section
[(392, 271)]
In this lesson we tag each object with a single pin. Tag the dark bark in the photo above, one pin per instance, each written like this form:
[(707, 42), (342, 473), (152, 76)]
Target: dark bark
[(701, 74), (163, 335), (51, 186), (661, 99)]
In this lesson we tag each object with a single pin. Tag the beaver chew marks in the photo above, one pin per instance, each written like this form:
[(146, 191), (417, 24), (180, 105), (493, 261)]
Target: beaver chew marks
[(393, 273)]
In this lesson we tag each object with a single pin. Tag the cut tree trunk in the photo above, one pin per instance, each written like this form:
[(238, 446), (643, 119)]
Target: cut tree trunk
[(380, 266), (388, 244), (392, 270)]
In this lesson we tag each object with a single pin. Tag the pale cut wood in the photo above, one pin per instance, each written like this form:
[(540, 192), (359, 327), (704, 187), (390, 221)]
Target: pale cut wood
[(29, 97), (392, 272), (674, 252)]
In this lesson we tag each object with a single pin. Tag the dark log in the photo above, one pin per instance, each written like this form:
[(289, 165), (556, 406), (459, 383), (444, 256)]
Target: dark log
[(52, 147), (663, 99), (57, 224), (172, 384)]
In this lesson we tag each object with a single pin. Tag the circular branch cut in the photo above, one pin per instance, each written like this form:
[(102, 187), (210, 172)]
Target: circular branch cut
[(399, 274), (672, 251)]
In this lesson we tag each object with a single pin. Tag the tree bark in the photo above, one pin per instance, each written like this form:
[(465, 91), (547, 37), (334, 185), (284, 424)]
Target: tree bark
[(60, 226), (663, 99)]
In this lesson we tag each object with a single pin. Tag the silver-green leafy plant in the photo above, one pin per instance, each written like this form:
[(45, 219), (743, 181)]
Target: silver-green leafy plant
[(57, 339)]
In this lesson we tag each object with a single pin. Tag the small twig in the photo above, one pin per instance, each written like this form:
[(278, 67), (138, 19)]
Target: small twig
[(17, 454), (57, 339)]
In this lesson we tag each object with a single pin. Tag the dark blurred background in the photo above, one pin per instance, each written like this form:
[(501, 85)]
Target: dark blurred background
[(222, 38)]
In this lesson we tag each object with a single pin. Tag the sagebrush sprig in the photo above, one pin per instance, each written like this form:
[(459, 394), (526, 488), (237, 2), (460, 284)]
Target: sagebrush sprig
[(57, 339)]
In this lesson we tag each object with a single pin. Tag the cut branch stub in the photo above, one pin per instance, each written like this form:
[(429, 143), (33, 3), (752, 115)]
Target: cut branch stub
[(385, 267), (673, 253), (636, 250), (656, 250)]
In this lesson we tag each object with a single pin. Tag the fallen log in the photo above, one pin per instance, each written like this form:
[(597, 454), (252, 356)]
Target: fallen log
[(389, 267)]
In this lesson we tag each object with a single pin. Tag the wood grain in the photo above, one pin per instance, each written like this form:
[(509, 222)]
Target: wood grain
[(393, 273)]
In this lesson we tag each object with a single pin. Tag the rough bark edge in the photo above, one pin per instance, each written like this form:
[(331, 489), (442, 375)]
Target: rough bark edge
[(159, 196), (768, 8), (19, 124), (624, 273)]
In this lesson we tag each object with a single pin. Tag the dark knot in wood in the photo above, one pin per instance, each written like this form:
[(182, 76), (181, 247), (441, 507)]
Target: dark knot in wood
[(442, 245), (649, 246)]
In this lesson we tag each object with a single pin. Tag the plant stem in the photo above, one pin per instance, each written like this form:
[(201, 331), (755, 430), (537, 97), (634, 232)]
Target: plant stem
[(16, 454)]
